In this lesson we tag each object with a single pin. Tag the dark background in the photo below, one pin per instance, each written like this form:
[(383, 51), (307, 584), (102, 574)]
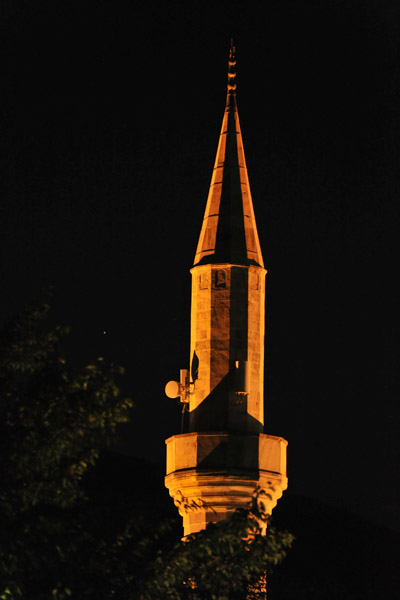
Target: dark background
[(111, 116)]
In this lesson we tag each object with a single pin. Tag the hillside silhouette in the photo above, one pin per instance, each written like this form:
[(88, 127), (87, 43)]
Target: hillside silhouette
[(336, 554)]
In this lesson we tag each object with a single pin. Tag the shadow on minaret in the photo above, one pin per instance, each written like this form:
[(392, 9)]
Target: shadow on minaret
[(237, 453), (224, 410)]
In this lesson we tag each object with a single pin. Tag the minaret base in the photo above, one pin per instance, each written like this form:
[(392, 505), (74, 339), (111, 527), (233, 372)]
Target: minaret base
[(210, 475)]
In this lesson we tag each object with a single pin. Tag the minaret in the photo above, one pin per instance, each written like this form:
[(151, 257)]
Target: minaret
[(215, 467)]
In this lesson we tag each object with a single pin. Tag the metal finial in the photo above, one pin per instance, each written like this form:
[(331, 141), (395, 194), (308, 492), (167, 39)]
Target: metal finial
[(232, 68)]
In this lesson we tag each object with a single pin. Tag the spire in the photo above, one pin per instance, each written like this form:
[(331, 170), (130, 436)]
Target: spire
[(229, 231)]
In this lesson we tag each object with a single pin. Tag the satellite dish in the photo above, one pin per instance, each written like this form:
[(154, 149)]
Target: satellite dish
[(173, 389)]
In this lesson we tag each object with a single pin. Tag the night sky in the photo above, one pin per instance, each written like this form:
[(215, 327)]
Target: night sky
[(111, 115)]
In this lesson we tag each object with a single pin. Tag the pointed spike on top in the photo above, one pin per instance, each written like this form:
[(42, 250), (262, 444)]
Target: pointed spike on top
[(232, 69), (229, 232)]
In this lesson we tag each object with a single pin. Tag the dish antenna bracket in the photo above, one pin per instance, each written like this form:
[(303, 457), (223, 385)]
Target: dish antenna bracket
[(179, 389)]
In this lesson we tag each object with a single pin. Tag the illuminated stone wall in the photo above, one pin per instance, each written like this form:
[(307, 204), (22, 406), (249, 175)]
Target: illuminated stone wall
[(227, 325)]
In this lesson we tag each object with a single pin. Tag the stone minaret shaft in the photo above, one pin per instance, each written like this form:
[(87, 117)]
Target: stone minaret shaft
[(215, 467), (228, 297)]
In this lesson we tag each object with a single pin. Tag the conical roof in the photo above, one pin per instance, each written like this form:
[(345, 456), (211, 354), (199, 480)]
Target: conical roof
[(229, 231)]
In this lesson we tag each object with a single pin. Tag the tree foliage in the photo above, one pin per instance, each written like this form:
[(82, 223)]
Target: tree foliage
[(53, 422), (65, 531), (226, 561)]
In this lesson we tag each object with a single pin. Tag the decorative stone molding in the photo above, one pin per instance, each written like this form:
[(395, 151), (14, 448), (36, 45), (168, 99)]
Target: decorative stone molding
[(232, 470)]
